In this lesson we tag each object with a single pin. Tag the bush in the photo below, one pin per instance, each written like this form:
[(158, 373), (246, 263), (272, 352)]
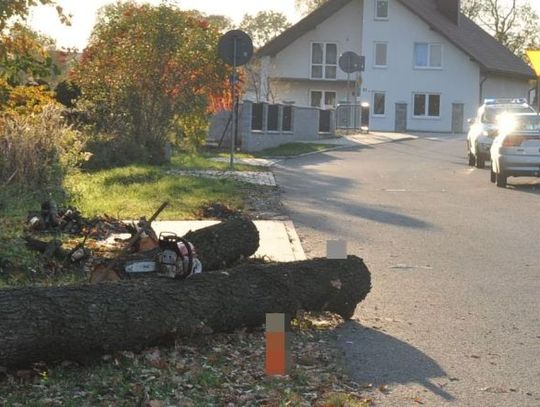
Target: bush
[(36, 150)]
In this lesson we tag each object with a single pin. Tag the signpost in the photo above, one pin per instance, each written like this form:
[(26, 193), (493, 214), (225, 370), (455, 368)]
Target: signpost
[(235, 48), (351, 62)]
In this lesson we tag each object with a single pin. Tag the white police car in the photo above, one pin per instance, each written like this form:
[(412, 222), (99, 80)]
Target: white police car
[(484, 127)]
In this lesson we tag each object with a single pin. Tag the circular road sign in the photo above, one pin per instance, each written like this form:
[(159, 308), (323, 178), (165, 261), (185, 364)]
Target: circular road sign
[(235, 48), (350, 62)]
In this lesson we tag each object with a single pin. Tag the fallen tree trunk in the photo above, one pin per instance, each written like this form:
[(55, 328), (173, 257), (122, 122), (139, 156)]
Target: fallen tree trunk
[(224, 244), (73, 323)]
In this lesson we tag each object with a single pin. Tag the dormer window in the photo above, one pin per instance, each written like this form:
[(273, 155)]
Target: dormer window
[(381, 9), (323, 60)]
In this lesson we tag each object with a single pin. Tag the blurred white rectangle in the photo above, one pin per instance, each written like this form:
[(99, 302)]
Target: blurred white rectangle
[(336, 249)]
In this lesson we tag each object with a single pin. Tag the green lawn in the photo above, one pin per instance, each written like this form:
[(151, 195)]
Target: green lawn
[(293, 149), (203, 161), (138, 190)]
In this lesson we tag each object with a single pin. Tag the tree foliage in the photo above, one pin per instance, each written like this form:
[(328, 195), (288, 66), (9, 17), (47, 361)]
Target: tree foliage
[(264, 26), (514, 23), (13, 9), (146, 67), (25, 56), (307, 6)]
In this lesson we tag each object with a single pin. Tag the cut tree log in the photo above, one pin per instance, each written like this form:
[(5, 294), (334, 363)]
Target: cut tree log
[(224, 244), (76, 322)]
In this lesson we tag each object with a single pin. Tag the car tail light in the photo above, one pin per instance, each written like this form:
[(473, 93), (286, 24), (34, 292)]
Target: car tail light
[(512, 141)]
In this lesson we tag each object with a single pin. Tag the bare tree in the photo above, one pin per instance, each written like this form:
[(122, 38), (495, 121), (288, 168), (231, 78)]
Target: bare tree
[(514, 23)]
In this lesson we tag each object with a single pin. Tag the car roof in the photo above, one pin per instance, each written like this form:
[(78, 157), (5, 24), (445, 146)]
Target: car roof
[(507, 105), (528, 114)]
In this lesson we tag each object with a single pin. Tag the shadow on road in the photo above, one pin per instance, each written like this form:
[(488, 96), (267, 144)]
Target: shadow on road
[(533, 188), (377, 358)]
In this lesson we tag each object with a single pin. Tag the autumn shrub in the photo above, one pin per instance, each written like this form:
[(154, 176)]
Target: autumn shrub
[(148, 75), (37, 150)]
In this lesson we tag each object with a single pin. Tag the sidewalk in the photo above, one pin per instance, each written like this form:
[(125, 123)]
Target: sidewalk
[(367, 139), (278, 240)]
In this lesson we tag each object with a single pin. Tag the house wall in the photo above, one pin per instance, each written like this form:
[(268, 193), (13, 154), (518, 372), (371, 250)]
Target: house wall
[(456, 82), (305, 126), (504, 87), (343, 28)]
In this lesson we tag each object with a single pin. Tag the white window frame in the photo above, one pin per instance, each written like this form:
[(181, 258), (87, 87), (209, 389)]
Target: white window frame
[(375, 55), (324, 64), (429, 46), (373, 103), (376, 3), (426, 109), (323, 97)]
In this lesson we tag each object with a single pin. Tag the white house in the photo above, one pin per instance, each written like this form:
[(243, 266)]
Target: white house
[(427, 66)]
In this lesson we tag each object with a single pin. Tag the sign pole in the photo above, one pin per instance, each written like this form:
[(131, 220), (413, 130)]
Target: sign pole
[(233, 84)]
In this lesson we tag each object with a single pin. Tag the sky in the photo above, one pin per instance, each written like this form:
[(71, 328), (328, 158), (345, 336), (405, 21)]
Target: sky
[(45, 19)]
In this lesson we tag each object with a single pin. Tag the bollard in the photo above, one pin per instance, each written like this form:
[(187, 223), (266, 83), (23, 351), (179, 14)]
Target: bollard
[(278, 358)]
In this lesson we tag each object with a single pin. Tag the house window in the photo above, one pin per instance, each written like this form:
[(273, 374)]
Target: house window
[(273, 118), (381, 55), (379, 102), (323, 99), (427, 55), (287, 118), (381, 9), (427, 105), (257, 116), (323, 60)]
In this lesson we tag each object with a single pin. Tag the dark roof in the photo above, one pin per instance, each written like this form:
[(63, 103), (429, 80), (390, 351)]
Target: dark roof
[(305, 25), (491, 55), (481, 47)]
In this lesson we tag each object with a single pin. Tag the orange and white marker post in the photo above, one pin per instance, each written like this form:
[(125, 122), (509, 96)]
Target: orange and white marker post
[(278, 354)]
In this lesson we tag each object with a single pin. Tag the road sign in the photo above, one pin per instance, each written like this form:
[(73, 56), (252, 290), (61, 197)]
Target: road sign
[(350, 62), (235, 48)]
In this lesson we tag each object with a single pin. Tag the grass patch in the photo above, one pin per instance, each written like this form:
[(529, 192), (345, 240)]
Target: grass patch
[(203, 161), (138, 190), (293, 149)]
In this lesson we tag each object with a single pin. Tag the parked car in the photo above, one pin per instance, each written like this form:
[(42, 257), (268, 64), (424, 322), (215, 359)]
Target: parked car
[(484, 127), (516, 150)]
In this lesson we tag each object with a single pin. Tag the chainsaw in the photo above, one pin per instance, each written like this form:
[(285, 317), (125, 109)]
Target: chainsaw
[(176, 258)]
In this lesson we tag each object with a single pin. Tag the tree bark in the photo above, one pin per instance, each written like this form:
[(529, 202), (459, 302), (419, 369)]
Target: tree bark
[(76, 322), (224, 244)]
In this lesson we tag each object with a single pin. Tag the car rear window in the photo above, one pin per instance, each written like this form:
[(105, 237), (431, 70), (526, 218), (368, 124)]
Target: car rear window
[(528, 123), (491, 113)]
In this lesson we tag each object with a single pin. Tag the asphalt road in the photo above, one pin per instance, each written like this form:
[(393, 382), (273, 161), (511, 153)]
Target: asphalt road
[(454, 314)]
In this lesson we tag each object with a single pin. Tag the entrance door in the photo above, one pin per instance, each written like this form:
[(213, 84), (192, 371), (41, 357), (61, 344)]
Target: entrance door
[(457, 117), (401, 117)]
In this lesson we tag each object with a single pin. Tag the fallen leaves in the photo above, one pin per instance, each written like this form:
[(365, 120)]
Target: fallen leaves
[(224, 369)]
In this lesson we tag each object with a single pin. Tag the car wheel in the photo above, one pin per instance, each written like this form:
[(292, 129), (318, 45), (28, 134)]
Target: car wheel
[(480, 161), (501, 180), (472, 160), (492, 176)]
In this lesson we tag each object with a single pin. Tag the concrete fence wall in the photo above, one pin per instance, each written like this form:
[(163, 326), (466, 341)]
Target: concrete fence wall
[(290, 124)]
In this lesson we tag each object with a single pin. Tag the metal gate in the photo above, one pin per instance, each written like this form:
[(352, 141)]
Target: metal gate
[(348, 116)]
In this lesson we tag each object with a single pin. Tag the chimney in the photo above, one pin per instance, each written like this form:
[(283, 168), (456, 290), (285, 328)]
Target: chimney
[(450, 9)]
